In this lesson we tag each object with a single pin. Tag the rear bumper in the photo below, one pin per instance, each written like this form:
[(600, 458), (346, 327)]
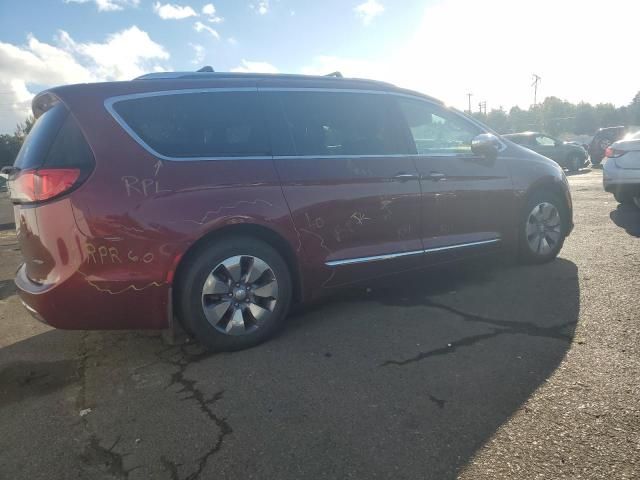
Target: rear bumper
[(616, 179), (87, 303)]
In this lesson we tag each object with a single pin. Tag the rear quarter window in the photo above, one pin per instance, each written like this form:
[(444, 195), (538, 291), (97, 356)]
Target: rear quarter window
[(193, 125), (37, 144)]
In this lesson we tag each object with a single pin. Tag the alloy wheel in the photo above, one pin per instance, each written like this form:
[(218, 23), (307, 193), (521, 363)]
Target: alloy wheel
[(239, 295), (544, 228)]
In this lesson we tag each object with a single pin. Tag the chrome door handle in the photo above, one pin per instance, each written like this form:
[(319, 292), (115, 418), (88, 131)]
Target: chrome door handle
[(436, 176), (405, 177)]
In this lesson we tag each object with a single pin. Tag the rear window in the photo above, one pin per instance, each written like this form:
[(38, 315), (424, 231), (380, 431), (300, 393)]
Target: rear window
[(37, 144), (192, 125), (336, 123)]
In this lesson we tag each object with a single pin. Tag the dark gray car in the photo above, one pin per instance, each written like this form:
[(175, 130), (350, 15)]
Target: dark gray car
[(567, 155)]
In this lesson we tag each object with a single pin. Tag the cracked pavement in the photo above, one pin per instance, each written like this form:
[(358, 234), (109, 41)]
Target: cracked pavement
[(484, 371)]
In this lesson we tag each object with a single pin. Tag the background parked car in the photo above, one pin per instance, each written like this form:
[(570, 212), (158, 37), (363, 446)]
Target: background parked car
[(568, 155), (621, 170), (602, 139)]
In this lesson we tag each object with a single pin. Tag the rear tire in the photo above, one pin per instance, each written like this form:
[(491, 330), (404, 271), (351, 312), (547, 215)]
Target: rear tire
[(574, 162), (542, 228), (234, 293)]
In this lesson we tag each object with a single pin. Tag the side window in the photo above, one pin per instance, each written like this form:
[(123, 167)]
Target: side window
[(436, 130), (545, 141), (209, 124), (336, 123)]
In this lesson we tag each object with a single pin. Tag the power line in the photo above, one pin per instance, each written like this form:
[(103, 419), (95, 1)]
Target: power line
[(536, 81)]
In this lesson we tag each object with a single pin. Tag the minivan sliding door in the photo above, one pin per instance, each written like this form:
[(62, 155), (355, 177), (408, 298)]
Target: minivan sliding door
[(352, 191)]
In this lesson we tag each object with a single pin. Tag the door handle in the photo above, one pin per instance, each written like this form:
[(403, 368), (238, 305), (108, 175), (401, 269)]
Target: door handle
[(436, 176), (405, 177)]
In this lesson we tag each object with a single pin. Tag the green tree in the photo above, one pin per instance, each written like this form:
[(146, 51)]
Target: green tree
[(23, 128), (586, 122), (9, 147), (498, 120)]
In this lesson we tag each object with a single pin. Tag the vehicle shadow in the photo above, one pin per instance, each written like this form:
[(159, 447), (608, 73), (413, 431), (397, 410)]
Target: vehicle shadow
[(627, 217), (406, 377)]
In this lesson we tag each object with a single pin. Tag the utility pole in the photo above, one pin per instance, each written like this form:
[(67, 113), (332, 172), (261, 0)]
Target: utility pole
[(536, 81), (482, 107), (469, 95)]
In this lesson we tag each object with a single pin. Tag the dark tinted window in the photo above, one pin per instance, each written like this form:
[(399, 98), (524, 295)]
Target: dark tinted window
[(37, 144), (336, 123), (435, 130), (198, 124), (69, 149)]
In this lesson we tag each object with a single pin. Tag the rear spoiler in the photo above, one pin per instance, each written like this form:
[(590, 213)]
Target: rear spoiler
[(43, 102)]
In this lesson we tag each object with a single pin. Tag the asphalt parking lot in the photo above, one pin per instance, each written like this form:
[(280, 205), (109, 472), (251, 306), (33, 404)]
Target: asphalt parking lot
[(487, 371)]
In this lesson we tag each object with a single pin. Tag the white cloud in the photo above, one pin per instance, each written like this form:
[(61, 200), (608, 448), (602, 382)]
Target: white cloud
[(109, 5), (261, 7), (169, 11), (201, 27), (199, 53), (232, 41), (497, 54), (122, 56), (209, 11), (255, 67), (368, 10)]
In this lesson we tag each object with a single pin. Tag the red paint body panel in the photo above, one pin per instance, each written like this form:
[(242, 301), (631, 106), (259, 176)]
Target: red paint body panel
[(104, 256)]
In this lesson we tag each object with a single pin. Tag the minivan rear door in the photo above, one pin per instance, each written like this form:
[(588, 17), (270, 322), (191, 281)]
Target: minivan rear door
[(352, 190), (467, 200)]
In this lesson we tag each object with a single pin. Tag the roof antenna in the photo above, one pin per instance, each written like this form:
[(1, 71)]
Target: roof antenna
[(207, 68), (334, 74)]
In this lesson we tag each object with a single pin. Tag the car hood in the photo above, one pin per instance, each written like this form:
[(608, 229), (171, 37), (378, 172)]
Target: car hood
[(519, 152)]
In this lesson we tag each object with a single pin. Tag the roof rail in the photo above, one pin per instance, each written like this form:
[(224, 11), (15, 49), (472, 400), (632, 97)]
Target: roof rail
[(334, 74)]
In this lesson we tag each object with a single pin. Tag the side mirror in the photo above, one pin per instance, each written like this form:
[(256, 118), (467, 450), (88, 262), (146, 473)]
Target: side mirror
[(486, 144)]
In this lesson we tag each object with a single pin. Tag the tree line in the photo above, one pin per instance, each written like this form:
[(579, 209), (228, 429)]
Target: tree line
[(10, 144), (558, 117)]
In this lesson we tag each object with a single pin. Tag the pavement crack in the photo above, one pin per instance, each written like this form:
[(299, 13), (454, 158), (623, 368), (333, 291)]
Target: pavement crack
[(83, 357), (508, 328), (452, 347), (189, 388), (106, 459), (525, 328)]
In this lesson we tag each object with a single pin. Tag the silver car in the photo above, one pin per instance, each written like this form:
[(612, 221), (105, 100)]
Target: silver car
[(621, 170)]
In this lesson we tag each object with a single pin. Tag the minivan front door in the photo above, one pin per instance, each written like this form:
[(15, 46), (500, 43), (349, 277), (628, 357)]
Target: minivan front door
[(468, 204), (352, 190)]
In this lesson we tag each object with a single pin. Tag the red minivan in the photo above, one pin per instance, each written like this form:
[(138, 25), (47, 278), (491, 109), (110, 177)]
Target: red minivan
[(220, 199)]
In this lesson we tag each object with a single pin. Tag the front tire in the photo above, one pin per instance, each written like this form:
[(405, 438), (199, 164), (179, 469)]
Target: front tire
[(542, 228), (234, 293)]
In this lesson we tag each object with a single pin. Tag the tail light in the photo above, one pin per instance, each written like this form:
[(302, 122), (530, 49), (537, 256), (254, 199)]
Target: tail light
[(613, 153), (39, 185), (54, 159)]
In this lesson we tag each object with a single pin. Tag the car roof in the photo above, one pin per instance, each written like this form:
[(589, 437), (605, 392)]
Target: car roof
[(332, 80), (163, 81)]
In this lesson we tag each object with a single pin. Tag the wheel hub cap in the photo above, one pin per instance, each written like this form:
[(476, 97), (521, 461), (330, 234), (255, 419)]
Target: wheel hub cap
[(544, 228), (239, 295)]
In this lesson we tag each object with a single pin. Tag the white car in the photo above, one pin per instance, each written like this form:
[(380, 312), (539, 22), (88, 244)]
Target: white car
[(621, 170)]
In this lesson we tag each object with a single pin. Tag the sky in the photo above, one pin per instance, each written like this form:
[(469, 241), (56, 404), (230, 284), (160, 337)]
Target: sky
[(582, 49)]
